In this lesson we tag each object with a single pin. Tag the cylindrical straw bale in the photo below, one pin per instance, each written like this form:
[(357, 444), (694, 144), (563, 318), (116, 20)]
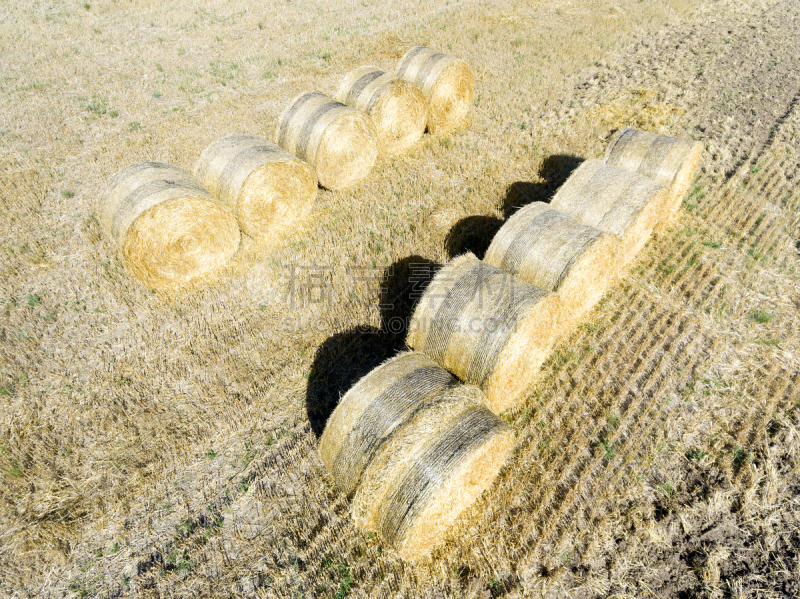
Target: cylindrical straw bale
[(669, 161), (168, 228), (338, 141), (487, 327), (370, 412), (431, 469), (268, 189), (554, 251), (397, 108), (447, 83), (613, 200)]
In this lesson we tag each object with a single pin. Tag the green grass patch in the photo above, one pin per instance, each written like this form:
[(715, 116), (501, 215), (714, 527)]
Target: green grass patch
[(762, 316), (15, 471)]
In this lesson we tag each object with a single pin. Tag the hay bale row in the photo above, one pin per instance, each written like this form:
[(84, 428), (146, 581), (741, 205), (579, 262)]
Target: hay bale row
[(668, 161), (429, 89), (264, 186), (414, 448), (487, 327), (166, 225), (397, 108), (412, 445), (172, 227), (554, 251), (607, 217), (447, 83), (493, 323)]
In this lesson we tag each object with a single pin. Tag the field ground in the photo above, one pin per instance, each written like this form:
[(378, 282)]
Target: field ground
[(164, 445)]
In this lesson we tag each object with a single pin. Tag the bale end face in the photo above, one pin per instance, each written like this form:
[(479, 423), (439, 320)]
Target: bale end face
[(475, 475), (680, 185), (589, 278), (447, 83), (275, 199), (519, 363), (487, 327), (640, 231), (400, 116), (398, 109), (179, 241), (347, 151), (669, 161), (451, 98), (339, 142), (167, 226)]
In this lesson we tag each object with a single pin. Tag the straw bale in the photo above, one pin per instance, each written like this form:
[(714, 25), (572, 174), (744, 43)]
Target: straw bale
[(268, 190), (339, 142), (554, 251), (433, 468), (370, 412), (447, 83), (487, 327), (615, 201), (167, 227), (669, 161), (397, 108)]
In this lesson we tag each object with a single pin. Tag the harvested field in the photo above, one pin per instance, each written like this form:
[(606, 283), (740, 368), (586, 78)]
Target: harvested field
[(156, 444)]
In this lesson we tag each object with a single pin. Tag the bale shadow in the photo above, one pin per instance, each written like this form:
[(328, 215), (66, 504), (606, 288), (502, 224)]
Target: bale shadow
[(555, 170), (472, 234), (346, 357), (402, 286), (475, 233), (339, 362)]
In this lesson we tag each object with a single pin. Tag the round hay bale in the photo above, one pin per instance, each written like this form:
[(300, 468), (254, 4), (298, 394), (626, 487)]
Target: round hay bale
[(553, 251), (615, 201), (266, 188), (447, 83), (431, 469), (369, 413), (487, 327), (397, 108), (168, 228), (339, 142), (668, 161)]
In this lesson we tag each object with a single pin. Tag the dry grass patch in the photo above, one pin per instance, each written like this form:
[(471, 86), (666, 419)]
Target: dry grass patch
[(117, 395)]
